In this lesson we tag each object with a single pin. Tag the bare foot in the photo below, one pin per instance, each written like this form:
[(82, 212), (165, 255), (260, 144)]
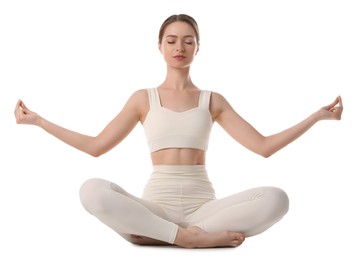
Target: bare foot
[(141, 240), (195, 237)]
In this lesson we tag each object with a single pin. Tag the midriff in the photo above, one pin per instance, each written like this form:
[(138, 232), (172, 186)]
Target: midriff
[(178, 156)]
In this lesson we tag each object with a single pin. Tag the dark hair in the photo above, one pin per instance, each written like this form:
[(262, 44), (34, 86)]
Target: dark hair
[(179, 18)]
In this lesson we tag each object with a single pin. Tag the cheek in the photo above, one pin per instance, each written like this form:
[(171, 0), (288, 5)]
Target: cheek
[(194, 51), (165, 49)]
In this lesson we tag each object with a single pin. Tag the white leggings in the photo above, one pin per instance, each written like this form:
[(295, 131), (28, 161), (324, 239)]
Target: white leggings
[(181, 195)]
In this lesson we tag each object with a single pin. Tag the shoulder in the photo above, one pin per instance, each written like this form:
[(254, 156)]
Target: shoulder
[(138, 100), (138, 97), (140, 93), (217, 96), (218, 100), (138, 103), (218, 104)]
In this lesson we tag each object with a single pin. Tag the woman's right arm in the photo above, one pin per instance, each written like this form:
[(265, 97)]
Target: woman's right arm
[(108, 138)]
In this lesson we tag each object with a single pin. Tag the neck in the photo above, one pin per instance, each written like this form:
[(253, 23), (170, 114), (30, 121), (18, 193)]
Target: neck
[(178, 79)]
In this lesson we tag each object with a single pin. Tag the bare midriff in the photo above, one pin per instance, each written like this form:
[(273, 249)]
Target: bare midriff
[(178, 156)]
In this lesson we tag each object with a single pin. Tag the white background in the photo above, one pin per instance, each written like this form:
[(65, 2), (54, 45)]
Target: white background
[(77, 62)]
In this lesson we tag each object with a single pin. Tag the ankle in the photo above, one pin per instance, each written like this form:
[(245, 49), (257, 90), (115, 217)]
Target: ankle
[(185, 238)]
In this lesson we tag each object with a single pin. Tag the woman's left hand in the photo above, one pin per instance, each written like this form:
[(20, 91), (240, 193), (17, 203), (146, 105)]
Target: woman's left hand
[(333, 111)]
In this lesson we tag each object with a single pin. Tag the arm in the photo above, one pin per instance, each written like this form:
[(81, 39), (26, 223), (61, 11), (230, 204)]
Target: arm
[(109, 137), (249, 137)]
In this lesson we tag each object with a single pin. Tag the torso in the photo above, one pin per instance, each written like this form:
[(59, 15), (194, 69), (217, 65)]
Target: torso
[(179, 102)]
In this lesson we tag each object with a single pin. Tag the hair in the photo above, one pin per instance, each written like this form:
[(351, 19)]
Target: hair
[(179, 18)]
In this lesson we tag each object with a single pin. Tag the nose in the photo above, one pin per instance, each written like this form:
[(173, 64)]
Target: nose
[(180, 47)]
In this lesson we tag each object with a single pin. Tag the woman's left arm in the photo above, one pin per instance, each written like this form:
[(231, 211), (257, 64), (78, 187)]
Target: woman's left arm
[(249, 137)]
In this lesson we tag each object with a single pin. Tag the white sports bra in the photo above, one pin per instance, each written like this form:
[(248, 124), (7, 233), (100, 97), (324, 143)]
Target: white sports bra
[(165, 128)]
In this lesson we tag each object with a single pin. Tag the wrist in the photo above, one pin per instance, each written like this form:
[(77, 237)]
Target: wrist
[(316, 117), (39, 121)]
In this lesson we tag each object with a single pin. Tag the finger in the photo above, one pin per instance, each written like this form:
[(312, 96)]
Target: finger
[(335, 108), (18, 115), (336, 112), (23, 106), (334, 103), (17, 107), (340, 101)]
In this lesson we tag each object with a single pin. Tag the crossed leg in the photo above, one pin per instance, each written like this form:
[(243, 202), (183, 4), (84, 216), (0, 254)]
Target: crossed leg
[(142, 222), (125, 213), (249, 212)]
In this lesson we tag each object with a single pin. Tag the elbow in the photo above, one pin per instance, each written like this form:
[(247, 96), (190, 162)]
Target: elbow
[(262, 153), (96, 152), (265, 154), (96, 148), (266, 150)]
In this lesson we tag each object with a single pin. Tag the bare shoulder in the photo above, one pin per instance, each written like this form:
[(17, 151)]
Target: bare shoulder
[(217, 101), (217, 98), (138, 102), (218, 104), (139, 95), (138, 98)]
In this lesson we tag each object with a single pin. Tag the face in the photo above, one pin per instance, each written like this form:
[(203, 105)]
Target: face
[(179, 45)]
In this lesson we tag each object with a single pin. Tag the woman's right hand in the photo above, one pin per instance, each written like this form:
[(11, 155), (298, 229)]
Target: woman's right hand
[(24, 115)]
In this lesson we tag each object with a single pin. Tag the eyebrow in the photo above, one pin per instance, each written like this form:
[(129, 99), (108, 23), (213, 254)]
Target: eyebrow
[(175, 36)]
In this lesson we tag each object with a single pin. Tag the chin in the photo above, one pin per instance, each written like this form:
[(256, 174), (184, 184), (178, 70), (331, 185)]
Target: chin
[(181, 65)]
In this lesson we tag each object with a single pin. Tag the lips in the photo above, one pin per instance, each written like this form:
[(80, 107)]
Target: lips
[(179, 57)]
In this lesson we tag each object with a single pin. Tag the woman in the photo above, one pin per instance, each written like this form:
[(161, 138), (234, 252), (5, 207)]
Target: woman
[(178, 205)]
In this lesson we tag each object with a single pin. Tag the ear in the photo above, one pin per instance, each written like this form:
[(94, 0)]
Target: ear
[(197, 50), (160, 47)]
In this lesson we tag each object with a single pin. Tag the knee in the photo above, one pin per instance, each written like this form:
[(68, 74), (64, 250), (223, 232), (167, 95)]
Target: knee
[(279, 201), (91, 194), (274, 204)]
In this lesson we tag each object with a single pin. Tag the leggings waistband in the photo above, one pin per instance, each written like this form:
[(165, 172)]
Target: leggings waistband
[(180, 172), (178, 168)]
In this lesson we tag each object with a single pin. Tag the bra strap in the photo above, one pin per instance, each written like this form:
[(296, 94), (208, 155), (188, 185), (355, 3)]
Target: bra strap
[(153, 95), (204, 100)]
